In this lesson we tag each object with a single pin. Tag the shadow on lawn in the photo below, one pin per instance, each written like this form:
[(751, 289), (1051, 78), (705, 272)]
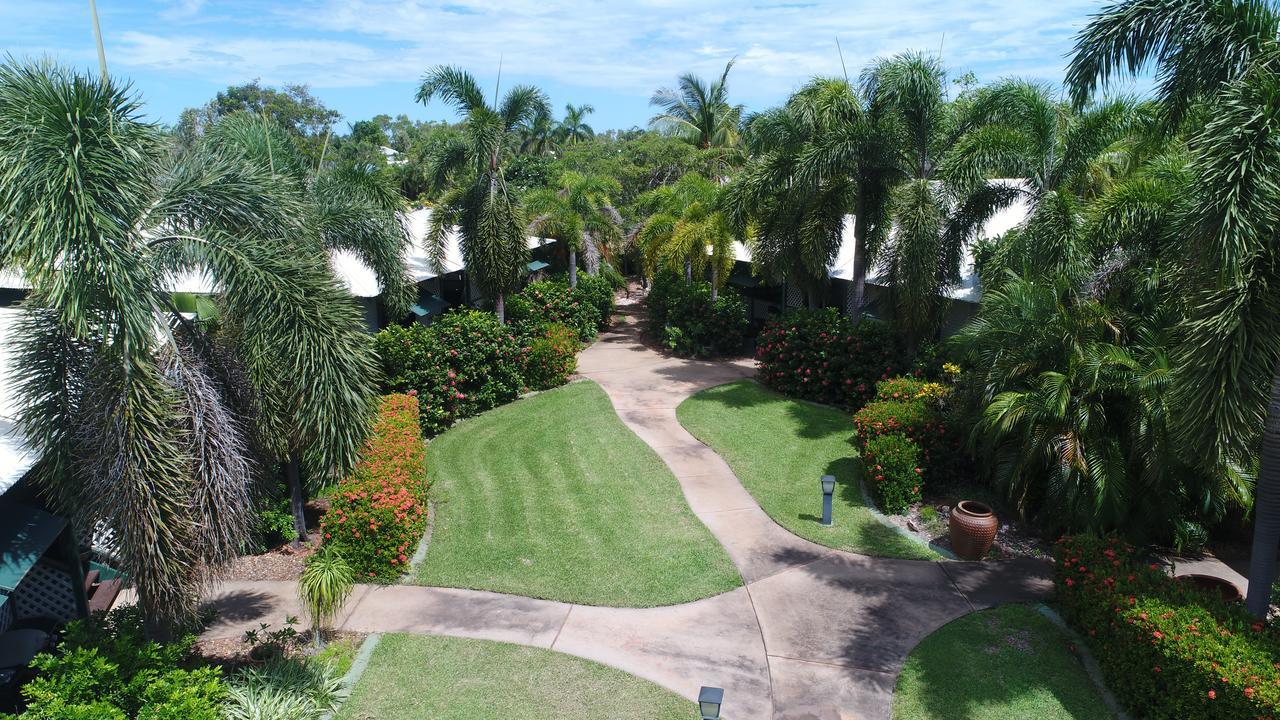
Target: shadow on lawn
[(812, 420)]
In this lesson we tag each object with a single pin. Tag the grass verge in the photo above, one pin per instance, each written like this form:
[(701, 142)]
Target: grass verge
[(1011, 662), (553, 497), (779, 448)]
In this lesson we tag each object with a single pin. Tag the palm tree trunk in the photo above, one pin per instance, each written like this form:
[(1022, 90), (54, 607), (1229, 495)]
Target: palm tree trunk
[(1266, 509), (859, 260), (297, 498), (573, 268), (500, 308), (715, 283), (688, 272)]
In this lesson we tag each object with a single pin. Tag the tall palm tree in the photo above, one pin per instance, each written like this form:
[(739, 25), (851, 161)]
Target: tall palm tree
[(540, 135), (686, 231), (574, 128), (578, 213), (699, 111), (144, 420), (1222, 55), (352, 207), (792, 213), (489, 218)]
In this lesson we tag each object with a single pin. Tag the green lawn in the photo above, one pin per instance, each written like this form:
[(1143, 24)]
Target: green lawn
[(1011, 662), (411, 677), (553, 497), (779, 448)]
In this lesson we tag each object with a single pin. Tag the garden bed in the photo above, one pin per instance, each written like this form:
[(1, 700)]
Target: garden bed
[(928, 521)]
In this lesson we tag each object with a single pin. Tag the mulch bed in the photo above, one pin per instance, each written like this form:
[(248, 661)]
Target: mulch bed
[(1013, 539)]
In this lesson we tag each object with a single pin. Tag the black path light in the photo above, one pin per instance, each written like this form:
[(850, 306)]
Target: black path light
[(709, 701), (828, 487)]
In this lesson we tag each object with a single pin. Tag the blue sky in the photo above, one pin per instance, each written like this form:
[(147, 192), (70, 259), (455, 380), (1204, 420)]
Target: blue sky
[(364, 57)]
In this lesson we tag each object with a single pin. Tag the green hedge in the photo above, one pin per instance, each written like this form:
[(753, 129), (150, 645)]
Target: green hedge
[(464, 363), (548, 302), (1167, 649), (894, 471), (690, 324)]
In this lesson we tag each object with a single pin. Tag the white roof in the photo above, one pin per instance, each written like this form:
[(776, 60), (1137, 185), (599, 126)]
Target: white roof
[(15, 457)]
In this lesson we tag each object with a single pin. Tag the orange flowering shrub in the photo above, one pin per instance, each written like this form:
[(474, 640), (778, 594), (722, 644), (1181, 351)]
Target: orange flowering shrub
[(378, 513), (1168, 649)]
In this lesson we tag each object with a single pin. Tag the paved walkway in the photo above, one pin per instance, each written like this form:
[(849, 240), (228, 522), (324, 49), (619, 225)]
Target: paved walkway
[(814, 633)]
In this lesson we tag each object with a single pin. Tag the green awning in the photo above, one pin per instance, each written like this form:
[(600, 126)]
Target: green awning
[(537, 265), (25, 534)]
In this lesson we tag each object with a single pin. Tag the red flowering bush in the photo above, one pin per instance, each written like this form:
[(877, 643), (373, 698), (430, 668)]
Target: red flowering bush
[(552, 358), (378, 513), (893, 472), (1168, 649), (464, 363), (821, 355), (547, 302), (916, 409)]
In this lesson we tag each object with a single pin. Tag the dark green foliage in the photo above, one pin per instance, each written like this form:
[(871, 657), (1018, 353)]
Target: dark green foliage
[(106, 669), (552, 358), (273, 522), (823, 356), (597, 291), (466, 362), (1167, 649), (893, 472), (539, 305), (691, 324)]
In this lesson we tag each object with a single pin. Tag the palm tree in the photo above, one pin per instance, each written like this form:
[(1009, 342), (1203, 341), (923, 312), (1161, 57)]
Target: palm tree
[(540, 135), (699, 112), (574, 128), (351, 207), (686, 231), (490, 220), (578, 213), (792, 214), (1223, 56), (144, 420)]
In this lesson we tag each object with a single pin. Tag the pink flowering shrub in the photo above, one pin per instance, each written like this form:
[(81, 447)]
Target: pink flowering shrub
[(916, 409), (893, 472), (1167, 649), (379, 512), (823, 356)]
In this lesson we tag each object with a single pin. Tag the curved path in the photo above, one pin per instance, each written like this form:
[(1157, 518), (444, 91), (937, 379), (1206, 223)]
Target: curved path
[(814, 633)]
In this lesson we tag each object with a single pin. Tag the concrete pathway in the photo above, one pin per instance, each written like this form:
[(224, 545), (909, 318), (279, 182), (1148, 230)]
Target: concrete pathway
[(814, 633)]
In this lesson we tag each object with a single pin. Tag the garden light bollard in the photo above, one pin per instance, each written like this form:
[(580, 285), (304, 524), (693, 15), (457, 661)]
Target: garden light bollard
[(828, 487), (709, 701)]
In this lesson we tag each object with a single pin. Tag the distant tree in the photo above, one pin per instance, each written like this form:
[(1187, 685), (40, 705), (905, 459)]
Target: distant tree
[(699, 111), (487, 214), (573, 128), (686, 231), (539, 135), (294, 108), (578, 213)]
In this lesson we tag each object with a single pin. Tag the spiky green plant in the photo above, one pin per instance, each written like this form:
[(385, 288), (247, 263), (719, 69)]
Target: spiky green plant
[(323, 587)]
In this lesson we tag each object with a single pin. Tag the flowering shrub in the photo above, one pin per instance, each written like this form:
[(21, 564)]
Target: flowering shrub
[(548, 302), (379, 512), (893, 472), (552, 358), (1168, 650), (690, 323), (598, 292), (823, 356), (915, 409), (464, 363)]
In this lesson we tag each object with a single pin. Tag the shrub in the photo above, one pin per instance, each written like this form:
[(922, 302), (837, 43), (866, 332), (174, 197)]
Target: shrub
[(552, 358), (1167, 649), (325, 584), (291, 688), (542, 304), (893, 472), (106, 668), (273, 522), (916, 409), (692, 325), (598, 292), (823, 356), (379, 512), (464, 363)]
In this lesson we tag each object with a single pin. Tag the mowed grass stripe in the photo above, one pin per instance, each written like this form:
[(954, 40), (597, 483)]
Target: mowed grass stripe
[(780, 448), (553, 497)]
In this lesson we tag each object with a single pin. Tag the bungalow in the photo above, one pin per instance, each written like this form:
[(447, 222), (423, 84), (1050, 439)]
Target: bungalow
[(764, 300)]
